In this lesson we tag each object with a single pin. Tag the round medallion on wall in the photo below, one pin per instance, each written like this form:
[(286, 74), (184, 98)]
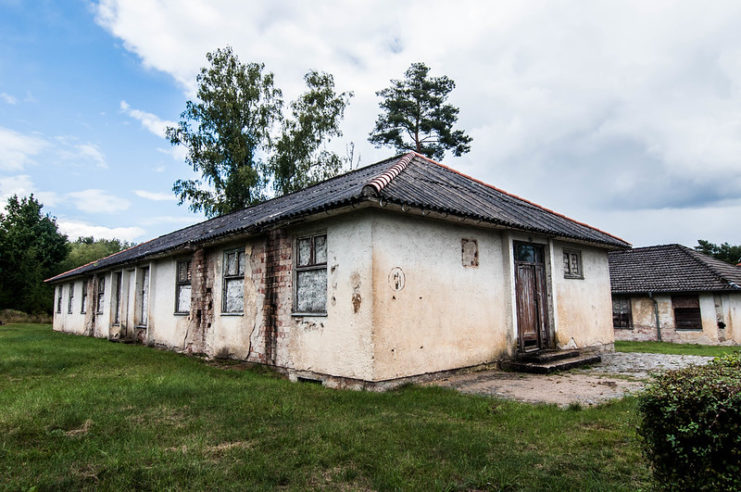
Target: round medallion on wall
[(397, 279)]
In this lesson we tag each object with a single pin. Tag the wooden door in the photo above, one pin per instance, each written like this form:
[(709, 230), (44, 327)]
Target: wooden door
[(531, 293)]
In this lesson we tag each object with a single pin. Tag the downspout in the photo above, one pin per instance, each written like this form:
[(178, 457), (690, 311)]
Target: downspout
[(656, 315)]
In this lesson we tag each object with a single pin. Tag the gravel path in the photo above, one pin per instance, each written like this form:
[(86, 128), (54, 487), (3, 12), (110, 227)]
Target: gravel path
[(618, 374)]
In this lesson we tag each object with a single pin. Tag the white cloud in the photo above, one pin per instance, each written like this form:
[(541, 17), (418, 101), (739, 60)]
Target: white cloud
[(18, 150), (69, 149), (170, 220), (151, 195), (22, 185), (587, 106), (150, 121), (98, 201), (74, 229), (7, 98)]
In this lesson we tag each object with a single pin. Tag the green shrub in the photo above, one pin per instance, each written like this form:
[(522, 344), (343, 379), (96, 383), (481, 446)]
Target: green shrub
[(691, 426)]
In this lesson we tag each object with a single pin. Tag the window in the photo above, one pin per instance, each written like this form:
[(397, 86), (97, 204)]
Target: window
[(101, 295), (621, 314), (572, 264), (117, 301), (71, 296), (83, 303), (233, 297), (59, 299), (143, 295), (311, 274), (182, 287), (686, 313)]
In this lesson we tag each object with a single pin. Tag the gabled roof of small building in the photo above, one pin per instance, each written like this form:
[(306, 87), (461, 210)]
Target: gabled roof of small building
[(410, 180), (670, 268)]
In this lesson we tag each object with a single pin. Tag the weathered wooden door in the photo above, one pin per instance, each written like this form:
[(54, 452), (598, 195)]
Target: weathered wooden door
[(531, 294)]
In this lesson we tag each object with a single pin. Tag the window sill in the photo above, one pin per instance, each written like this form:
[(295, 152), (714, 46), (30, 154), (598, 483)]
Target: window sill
[(687, 329), (141, 327), (622, 328), (232, 314), (309, 315), (574, 277), (180, 314)]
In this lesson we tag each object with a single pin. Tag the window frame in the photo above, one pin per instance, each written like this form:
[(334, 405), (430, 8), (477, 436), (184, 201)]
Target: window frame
[(225, 279), (683, 299), (311, 266), (100, 296), (567, 273), (181, 283), (116, 289), (70, 296), (60, 289), (629, 312), (83, 297)]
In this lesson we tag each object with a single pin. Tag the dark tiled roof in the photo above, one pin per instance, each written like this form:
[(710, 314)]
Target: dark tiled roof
[(670, 268), (409, 179)]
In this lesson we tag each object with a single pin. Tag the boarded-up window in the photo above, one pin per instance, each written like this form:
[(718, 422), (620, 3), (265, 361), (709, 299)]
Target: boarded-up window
[(469, 252), (101, 295), (117, 298), (70, 298), (143, 295), (621, 314), (83, 302), (572, 264), (311, 274), (233, 282), (182, 287), (687, 313)]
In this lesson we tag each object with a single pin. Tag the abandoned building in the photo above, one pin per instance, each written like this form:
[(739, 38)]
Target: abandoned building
[(399, 269), (675, 294)]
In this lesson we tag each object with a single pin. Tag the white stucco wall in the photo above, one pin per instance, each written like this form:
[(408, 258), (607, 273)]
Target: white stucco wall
[(583, 306), (339, 344), (644, 320), (447, 315), (164, 326)]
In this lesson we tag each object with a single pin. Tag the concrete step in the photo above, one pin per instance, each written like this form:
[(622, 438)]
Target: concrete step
[(545, 356), (550, 366)]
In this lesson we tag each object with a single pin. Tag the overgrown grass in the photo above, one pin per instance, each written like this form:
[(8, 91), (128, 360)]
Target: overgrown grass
[(674, 348), (78, 412)]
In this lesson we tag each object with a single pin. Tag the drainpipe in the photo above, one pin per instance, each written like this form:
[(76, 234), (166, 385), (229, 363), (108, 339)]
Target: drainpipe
[(656, 314)]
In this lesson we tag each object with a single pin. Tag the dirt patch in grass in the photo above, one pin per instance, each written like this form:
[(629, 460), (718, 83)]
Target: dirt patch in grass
[(81, 430)]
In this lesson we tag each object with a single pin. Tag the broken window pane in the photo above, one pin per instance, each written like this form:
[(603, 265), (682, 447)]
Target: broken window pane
[(240, 260), (304, 251), (234, 296), (311, 291), (320, 249), (183, 299), (231, 263)]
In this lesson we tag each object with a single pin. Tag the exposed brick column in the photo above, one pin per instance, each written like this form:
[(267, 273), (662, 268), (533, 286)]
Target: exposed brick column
[(277, 289), (201, 303)]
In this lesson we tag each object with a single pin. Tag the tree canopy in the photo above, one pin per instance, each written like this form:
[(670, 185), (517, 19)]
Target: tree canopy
[(31, 250), (298, 159), (87, 249), (724, 252), (415, 116), (238, 139)]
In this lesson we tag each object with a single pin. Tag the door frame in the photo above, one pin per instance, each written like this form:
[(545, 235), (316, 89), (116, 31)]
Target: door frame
[(544, 330)]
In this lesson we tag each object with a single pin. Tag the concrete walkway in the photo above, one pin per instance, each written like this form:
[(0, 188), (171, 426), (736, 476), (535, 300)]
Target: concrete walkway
[(617, 375)]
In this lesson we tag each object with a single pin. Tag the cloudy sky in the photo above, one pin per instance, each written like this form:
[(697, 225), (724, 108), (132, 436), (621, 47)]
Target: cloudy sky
[(625, 115)]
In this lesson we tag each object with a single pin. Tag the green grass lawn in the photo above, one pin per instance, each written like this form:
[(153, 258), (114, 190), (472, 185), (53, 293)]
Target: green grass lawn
[(674, 348), (78, 412)]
